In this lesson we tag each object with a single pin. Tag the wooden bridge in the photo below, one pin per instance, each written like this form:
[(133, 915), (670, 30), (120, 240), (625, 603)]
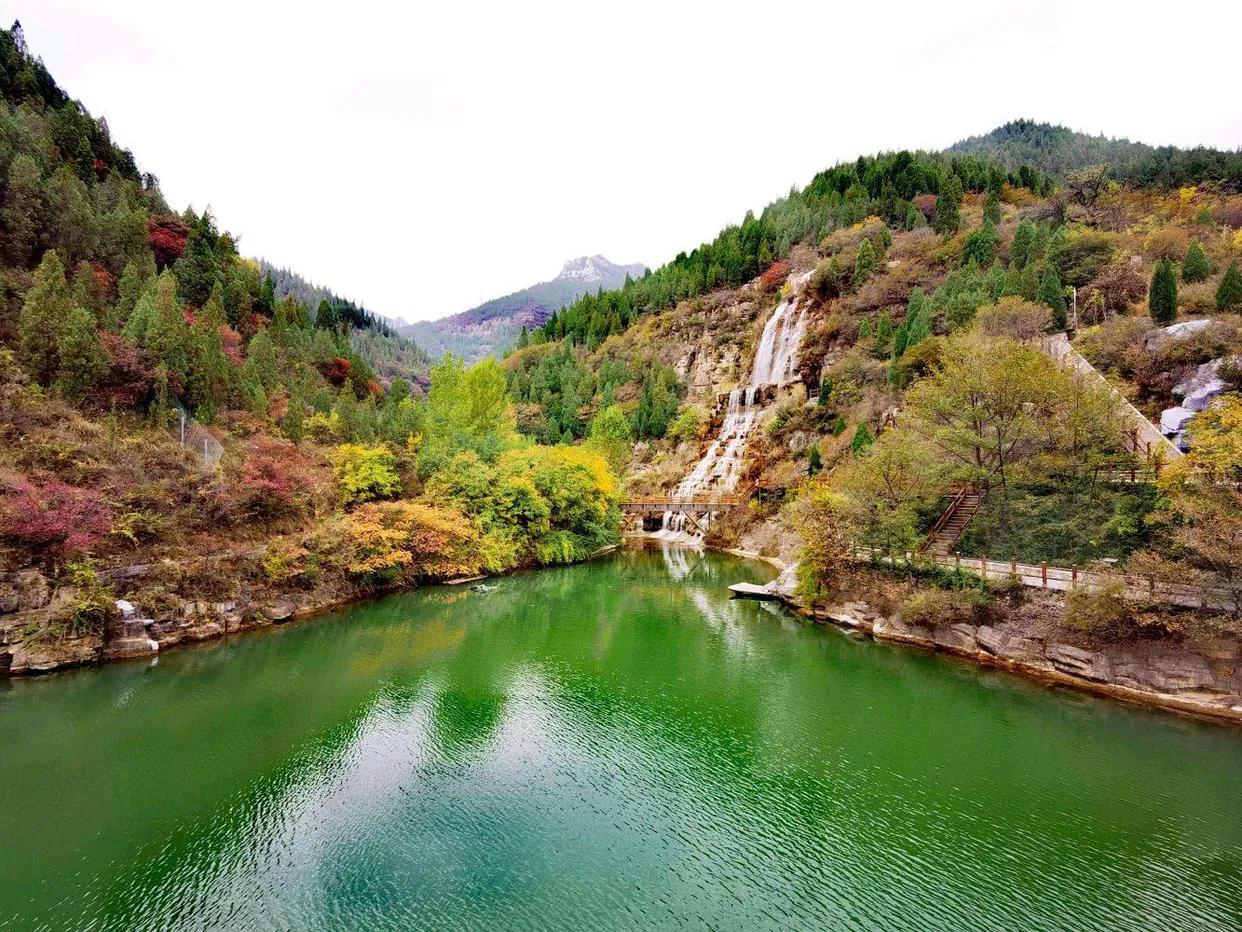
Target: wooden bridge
[(683, 504)]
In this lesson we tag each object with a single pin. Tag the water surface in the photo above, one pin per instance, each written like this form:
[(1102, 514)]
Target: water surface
[(609, 746)]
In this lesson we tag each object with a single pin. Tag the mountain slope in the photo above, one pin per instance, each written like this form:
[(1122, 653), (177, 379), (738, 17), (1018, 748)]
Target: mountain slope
[(493, 326), (374, 338), (1056, 150)]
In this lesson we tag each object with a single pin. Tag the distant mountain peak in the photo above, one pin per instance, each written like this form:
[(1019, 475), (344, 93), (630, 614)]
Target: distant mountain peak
[(493, 326), (596, 269)]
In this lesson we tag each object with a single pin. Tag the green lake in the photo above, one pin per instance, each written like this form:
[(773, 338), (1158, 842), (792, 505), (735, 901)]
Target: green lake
[(609, 746)]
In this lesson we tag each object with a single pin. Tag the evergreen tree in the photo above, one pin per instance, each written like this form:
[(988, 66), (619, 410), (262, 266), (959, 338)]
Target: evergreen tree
[(862, 439), (1162, 297), (44, 315), (325, 316), (883, 334), (914, 218), (864, 330), (23, 204), (266, 303), (825, 393), (947, 218), (199, 265), (1052, 295), (865, 262), (138, 273), (1195, 267), (523, 340), (1229, 292), (980, 245), (209, 368), (992, 208), (813, 462), (167, 334), (1023, 241), (82, 359)]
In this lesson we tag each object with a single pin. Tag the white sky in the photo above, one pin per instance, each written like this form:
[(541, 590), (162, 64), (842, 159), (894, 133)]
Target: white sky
[(421, 158)]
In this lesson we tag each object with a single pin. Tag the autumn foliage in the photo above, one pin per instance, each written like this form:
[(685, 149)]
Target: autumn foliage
[(775, 274), (167, 236), (53, 518), (390, 540)]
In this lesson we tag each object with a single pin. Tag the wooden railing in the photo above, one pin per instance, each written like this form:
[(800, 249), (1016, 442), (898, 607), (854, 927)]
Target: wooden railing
[(1043, 576)]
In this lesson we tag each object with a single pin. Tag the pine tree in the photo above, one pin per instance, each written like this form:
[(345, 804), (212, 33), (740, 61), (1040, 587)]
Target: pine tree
[(1162, 297), (523, 340), (266, 304), (992, 208), (947, 218), (865, 262), (82, 359), (1195, 267), (199, 265), (914, 218), (167, 335), (1052, 295), (883, 334), (23, 204), (1229, 292), (813, 462), (44, 315), (209, 368), (1020, 248), (862, 439), (980, 245), (864, 330), (325, 316), (825, 393)]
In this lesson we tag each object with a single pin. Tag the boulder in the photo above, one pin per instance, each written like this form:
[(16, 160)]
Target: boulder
[(1008, 646), (1085, 664), (279, 611), (957, 637)]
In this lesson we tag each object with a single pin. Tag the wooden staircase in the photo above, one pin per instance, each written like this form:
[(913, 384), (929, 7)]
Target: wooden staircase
[(950, 525)]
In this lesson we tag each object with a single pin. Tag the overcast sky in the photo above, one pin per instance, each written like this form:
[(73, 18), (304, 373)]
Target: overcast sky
[(423, 159)]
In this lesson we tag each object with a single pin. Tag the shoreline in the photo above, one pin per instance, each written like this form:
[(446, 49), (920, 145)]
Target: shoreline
[(1009, 652), (1113, 671)]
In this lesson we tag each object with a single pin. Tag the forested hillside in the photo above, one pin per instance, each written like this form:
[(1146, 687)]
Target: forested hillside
[(375, 339), (1057, 151), (299, 473)]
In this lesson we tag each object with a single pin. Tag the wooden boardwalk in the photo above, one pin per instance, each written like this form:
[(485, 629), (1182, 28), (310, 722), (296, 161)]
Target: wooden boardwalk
[(1043, 576)]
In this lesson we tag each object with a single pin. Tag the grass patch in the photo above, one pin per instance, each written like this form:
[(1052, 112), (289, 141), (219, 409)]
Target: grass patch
[(1071, 524)]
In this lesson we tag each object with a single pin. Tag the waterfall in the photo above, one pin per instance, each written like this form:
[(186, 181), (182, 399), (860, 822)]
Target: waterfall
[(775, 364)]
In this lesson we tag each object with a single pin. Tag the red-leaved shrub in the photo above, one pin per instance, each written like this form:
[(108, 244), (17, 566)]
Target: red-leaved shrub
[(51, 519), (128, 378), (167, 236), (336, 371), (775, 274), (272, 478)]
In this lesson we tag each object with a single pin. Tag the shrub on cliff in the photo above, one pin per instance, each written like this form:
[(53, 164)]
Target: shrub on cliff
[(1100, 609), (942, 606)]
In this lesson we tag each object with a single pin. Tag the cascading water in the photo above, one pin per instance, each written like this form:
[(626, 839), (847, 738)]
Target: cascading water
[(775, 363)]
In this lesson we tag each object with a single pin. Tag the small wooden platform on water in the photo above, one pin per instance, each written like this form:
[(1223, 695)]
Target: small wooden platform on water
[(745, 590)]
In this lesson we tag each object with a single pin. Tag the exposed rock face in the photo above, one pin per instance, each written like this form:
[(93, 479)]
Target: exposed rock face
[(1187, 676)]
